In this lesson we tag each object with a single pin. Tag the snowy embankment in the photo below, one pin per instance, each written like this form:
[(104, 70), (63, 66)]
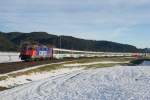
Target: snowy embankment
[(9, 57), (114, 83)]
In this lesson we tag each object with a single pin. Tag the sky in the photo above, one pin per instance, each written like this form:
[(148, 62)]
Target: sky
[(123, 21)]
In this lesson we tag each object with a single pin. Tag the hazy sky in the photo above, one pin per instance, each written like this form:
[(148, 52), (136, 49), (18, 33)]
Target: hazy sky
[(124, 21)]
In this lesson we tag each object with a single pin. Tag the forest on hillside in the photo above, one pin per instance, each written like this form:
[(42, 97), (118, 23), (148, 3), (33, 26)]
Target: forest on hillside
[(13, 40)]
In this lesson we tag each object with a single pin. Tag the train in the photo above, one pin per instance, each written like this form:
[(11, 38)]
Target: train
[(30, 52), (33, 52)]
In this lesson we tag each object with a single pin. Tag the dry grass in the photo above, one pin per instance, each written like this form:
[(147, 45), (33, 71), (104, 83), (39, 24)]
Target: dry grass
[(80, 61), (3, 77), (83, 60), (38, 70), (3, 88), (105, 65)]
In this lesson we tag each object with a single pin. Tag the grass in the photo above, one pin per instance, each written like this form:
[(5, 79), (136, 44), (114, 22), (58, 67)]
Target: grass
[(83, 60), (3, 88), (3, 77), (14, 66), (105, 65), (117, 59), (80, 61), (41, 69)]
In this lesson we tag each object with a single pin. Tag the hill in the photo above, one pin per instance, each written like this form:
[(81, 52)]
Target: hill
[(11, 42), (6, 45)]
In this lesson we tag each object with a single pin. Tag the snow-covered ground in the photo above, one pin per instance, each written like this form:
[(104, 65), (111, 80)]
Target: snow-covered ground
[(22, 79), (9, 57), (114, 83)]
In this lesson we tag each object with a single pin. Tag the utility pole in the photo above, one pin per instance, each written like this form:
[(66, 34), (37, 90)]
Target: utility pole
[(59, 46)]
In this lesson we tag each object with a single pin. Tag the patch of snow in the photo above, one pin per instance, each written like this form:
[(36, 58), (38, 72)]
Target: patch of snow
[(113, 83)]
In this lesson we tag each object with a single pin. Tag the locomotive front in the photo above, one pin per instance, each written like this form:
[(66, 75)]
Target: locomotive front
[(32, 52)]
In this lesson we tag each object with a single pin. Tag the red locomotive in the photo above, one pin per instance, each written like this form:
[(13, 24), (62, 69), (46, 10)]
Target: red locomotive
[(31, 52)]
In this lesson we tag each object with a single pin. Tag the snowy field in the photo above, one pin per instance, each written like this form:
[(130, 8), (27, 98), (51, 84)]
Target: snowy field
[(114, 83), (9, 57)]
